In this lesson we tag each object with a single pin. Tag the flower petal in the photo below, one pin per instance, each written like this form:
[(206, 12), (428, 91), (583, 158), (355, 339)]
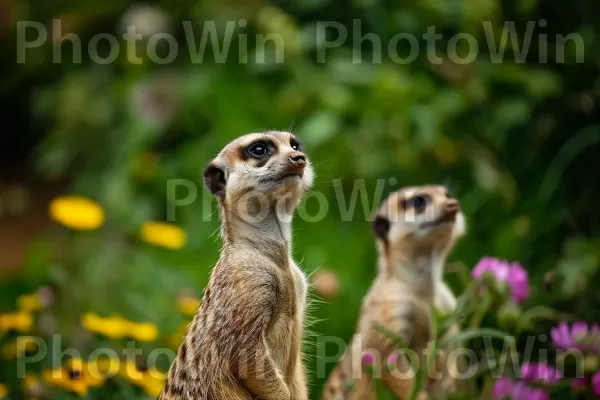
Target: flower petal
[(502, 388), (596, 383)]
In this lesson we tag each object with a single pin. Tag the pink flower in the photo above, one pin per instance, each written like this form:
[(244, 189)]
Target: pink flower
[(578, 384), (393, 359), (518, 282), (368, 359), (579, 336), (502, 388), (596, 384), (540, 373), (505, 388), (533, 374), (538, 394), (512, 274)]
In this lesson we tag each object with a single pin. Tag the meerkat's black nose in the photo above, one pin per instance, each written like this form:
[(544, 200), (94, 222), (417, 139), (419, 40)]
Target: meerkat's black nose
[(298, 160)]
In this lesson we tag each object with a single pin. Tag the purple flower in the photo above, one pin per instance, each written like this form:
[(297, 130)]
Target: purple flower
[(393, 359), (540, 373), (368, 359), (596, 384), (578, 384), (580, 336), (512, 274), (502, 388), (518, 282), (505, 388)]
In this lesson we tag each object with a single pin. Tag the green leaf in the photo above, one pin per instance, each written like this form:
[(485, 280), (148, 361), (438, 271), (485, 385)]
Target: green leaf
[(392, 335)]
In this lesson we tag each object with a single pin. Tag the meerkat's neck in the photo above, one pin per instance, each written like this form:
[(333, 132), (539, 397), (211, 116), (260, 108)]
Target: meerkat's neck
[(269, 231), (421, 269)]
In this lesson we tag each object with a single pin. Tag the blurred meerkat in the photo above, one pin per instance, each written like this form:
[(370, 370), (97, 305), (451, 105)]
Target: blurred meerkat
[(244, 342), (416, 227)]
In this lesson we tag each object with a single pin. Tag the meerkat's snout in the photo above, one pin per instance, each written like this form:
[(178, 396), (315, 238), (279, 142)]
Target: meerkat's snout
[(298, 161), (450, 208)]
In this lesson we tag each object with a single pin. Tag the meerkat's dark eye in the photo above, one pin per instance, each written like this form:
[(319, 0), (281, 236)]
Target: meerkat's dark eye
[(419, 203), (258, 150), (295, 145)]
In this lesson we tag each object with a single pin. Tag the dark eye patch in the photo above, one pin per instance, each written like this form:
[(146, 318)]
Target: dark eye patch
[(295, 144), (419, 202), (259, 150)]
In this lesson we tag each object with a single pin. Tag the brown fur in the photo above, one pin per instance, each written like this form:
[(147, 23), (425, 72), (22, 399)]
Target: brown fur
[(244, 342), (409, 283)]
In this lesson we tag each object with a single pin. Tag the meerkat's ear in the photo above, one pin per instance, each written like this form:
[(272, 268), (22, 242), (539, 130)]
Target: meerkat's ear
[(214, 179), (381, 226)]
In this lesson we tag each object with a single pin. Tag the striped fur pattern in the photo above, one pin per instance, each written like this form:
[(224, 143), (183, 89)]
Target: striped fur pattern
[(416, 228), (244, 343)]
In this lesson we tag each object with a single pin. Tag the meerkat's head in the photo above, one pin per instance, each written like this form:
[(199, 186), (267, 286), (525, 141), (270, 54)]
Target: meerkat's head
[(270, 165), (419, 219)]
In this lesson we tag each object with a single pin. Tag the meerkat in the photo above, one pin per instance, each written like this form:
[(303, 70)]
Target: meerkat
[(244, 342), (415, 228)]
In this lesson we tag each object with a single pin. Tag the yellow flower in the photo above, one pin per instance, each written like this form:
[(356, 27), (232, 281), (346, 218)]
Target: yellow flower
[(144, 332), (157, 374), (163, 234), (81, 370), (153, 387), (77, 212), (104, 366), (188, 305), (19, 347), (20, 321), (117, 327), (92, 322), (75, 376), (131, 373), (114, 327), (23, 322), (29, 302), (151, 381), (67, 380), (3, 391)]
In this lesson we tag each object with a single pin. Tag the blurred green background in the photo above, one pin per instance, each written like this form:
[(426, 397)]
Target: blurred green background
[(517, 141)]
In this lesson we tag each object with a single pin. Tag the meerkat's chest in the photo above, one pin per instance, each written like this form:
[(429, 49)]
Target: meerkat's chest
[(300, 288), (285, 334), (445, 299)]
